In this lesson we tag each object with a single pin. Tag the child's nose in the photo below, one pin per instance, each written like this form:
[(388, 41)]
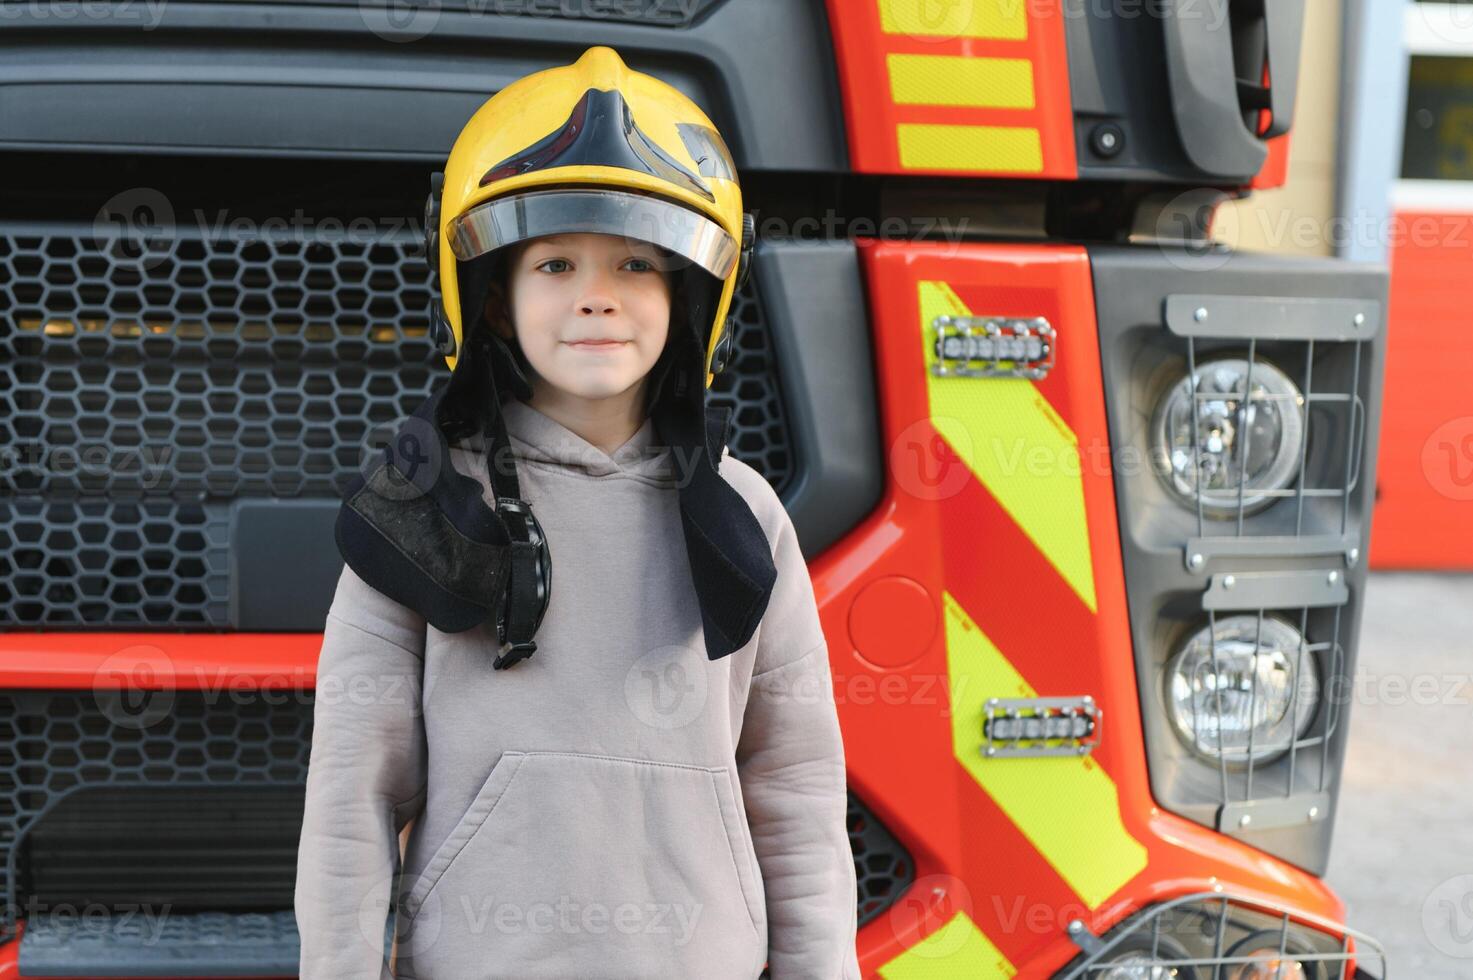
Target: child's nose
[(593, 305), (598, 294)]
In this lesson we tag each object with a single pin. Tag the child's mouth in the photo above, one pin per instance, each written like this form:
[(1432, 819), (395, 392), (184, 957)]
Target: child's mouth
[(597, 345)]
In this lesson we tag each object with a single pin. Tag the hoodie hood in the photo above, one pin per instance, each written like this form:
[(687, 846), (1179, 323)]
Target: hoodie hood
[(538, 439)]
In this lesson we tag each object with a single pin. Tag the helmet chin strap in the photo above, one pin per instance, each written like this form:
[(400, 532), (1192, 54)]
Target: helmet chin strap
[(529, 586)]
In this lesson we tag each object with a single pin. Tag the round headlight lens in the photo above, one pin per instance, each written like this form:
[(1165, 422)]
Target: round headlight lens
[(1216, 706), (1137, 966), (1136, 959), (1271, 430), (1267, 963)]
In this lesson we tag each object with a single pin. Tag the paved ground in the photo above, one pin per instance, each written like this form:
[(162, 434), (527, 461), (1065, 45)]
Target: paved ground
[(1403, 849)]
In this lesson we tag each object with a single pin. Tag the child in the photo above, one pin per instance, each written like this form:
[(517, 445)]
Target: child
[(631, 768)]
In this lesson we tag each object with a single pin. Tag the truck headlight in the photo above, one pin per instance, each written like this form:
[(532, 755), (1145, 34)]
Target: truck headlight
[(1144, 958), (1257, 449), (1267, 963), (1217, 708)]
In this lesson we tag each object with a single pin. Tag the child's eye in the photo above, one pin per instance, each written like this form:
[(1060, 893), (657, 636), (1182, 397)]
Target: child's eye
[(550, 262), (648, 266)]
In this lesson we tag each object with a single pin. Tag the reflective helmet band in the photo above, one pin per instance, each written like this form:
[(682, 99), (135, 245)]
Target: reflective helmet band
[(515, 218)]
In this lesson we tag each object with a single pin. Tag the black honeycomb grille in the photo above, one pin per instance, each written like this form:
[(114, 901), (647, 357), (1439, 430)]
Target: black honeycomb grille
[(57, 743), (173, 751), (883, 868), (142, 392)]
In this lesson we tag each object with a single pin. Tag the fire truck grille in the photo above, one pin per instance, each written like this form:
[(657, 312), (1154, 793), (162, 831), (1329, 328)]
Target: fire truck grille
[(191, 801), (146, 386), (90, 794), (882, 866)]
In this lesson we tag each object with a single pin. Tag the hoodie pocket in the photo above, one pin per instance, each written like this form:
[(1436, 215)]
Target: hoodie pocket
[(592, 861)]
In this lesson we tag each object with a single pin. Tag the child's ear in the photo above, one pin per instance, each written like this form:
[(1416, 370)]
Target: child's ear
[(495, 311)]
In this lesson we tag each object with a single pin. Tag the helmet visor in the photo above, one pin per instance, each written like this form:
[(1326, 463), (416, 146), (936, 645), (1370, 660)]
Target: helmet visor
[(519, 217)]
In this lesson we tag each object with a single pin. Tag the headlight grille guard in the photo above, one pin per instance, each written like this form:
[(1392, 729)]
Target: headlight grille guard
[(1336, 949), (1296, 553), (1326, 322)]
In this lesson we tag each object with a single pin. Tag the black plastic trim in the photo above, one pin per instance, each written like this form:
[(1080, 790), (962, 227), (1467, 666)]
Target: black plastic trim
[(815, 303), (301, 80)]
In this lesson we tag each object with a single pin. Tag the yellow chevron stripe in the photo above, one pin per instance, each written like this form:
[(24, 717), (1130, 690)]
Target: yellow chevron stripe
[(1014, 442), (934, 146), (956, 951), (937, 79), (1066, 806), (1003, 19)]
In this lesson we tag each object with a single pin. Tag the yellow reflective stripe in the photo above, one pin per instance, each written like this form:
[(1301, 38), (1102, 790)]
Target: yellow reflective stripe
[(937, 79), (934, 146), (1014, 442), (956, 951), (1003, 19), (1066, 806)]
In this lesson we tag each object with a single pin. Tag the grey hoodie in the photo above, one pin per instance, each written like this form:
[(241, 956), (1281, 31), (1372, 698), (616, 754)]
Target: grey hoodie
[(616, 806)]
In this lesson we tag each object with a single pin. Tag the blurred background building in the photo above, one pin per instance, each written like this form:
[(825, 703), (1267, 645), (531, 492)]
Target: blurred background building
[(1381, 169)]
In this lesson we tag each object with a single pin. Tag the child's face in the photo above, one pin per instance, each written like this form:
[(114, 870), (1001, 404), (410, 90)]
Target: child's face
[(569, 290)]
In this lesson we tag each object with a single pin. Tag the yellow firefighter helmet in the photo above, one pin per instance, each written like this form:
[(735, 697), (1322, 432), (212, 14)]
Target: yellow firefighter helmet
[(596, 147)]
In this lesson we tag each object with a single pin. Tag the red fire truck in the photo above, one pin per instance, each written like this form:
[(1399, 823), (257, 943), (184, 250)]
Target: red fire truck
[(1086, 497)]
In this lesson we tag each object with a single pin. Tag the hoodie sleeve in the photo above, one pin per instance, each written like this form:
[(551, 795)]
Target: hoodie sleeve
[(790, 757), (365, 780)]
